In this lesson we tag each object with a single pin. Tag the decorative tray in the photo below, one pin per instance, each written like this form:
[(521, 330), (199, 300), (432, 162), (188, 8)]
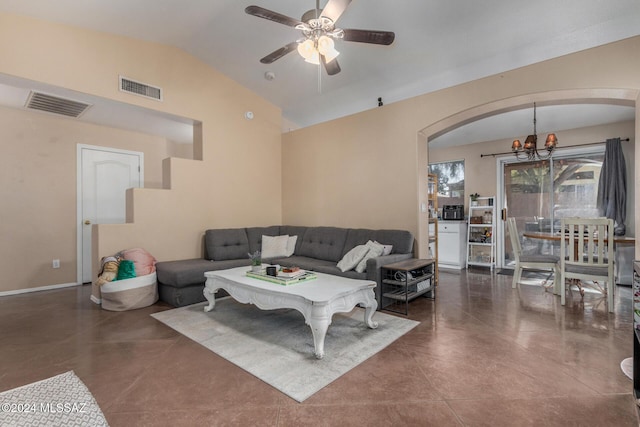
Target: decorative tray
[(285, 281)]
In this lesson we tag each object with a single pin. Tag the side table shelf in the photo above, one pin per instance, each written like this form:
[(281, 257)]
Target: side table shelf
[(405, 281)]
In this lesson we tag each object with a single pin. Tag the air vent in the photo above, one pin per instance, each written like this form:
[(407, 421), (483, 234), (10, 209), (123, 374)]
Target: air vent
[(142, 89), (55, 105)]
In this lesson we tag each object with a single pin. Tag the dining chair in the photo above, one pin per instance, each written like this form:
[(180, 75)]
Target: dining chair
[(535, 261), (587, 255)]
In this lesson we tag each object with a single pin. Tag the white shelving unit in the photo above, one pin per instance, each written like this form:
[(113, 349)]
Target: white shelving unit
[(432, 199), (481, 243)]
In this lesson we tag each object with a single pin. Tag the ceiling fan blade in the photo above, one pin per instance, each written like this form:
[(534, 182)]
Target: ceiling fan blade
[(261, 12), (334, 9), (331, 67), (369, 36), (277, 54)]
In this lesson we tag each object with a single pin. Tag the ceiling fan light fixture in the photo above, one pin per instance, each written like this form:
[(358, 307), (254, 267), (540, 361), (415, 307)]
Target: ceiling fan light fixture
[(325, 44), (318, 27), (326, 47), (306, 49), (314, 58), (330, 56)]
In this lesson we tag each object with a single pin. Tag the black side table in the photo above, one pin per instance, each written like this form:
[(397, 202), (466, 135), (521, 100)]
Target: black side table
[(405, 281)]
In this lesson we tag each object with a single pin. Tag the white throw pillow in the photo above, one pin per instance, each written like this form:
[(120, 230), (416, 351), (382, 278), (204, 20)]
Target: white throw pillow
[(291, 245), (274, 246), (352, 258), (375, 250), (387, 248)]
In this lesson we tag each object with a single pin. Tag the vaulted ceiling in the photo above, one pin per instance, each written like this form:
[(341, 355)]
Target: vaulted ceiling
[(438, 44)]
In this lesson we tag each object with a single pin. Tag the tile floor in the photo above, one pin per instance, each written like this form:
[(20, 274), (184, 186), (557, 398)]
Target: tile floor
[(483, 355)]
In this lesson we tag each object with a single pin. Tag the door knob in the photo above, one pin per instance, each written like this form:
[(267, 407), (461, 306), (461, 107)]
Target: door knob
[(87, 222)]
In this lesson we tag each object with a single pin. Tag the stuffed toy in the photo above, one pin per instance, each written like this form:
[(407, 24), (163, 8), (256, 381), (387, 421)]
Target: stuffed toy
[(109, 270), (126, 270)]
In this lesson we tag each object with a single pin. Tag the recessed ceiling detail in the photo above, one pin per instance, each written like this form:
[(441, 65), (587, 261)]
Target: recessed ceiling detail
[(142, 89), (55, 105)]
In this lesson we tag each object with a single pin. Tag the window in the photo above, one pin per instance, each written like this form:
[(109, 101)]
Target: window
[(539, 194), (450, 182), (552, 190)]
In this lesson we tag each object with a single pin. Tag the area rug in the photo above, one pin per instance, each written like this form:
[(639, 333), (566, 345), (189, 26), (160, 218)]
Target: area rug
[(277, 346), (62, 400)]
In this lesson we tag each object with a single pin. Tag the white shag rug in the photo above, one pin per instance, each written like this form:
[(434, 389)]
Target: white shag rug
[(277, 346), (62, 400)]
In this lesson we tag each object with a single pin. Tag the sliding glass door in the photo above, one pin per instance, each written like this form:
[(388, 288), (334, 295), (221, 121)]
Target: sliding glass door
[(540, 193)]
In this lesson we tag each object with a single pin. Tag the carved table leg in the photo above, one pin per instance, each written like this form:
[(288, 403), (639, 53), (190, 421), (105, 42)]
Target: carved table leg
[(319, 323), (211, 297), (370, 309), (368, 315)]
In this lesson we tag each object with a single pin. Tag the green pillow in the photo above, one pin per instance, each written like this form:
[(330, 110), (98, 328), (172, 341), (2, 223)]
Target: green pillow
[(126, 270)]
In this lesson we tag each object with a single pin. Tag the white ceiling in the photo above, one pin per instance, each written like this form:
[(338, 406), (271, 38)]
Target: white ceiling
[(519, 124), (439, 43)]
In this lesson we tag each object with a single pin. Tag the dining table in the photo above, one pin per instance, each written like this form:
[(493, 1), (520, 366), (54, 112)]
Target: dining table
[(624, 253)]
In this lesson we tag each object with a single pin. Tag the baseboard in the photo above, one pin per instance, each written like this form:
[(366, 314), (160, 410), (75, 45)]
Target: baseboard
[(38, 289), (450, 269), (457, 267)]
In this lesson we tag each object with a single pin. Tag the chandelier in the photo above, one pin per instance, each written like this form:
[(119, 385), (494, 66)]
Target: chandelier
[(530, 149), (319, 34)]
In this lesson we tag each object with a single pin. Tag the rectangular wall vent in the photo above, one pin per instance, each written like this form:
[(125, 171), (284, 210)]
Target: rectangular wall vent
[(142, 89), (55, 105)]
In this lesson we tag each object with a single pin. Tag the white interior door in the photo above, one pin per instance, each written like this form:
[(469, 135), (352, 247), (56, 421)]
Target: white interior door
[(104, 176)]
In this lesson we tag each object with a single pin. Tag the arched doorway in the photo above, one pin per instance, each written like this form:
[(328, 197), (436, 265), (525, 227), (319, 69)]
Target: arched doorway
[(626, 97)]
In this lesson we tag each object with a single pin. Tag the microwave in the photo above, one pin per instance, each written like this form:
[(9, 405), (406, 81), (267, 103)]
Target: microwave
[(453, 212)]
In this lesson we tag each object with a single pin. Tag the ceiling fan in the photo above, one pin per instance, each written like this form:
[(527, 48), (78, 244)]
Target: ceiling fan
[(319, 32)]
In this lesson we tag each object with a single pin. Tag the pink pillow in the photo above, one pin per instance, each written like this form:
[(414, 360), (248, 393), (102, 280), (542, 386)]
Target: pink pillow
[(145, 262)]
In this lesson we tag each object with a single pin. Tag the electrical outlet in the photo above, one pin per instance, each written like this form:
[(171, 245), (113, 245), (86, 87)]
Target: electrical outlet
[(56, 263)]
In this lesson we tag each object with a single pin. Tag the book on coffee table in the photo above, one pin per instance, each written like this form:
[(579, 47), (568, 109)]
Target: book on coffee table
[(280, 280), (291, 274)]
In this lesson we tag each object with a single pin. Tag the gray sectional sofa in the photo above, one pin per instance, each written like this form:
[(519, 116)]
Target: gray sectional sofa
[(318, 249)]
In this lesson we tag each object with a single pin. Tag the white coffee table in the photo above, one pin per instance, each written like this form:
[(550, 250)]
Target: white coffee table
[(317, 299)]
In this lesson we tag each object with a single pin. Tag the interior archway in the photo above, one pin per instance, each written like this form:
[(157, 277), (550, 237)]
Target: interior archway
[(626, 97)]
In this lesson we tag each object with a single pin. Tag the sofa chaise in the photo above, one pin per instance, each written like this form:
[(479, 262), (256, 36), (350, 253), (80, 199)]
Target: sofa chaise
[(317, 249)]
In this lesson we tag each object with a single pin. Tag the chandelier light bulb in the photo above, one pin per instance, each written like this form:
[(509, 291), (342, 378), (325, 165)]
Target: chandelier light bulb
[(517, 145)]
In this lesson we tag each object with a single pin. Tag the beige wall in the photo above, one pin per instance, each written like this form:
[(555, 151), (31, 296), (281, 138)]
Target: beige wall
[(38, 191), (369, 169), (237, 183), (482, 171), (365, 170), (355, 172)]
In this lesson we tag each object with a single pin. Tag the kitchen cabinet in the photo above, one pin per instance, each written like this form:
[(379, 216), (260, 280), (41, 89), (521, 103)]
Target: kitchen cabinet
[(452, 244)]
